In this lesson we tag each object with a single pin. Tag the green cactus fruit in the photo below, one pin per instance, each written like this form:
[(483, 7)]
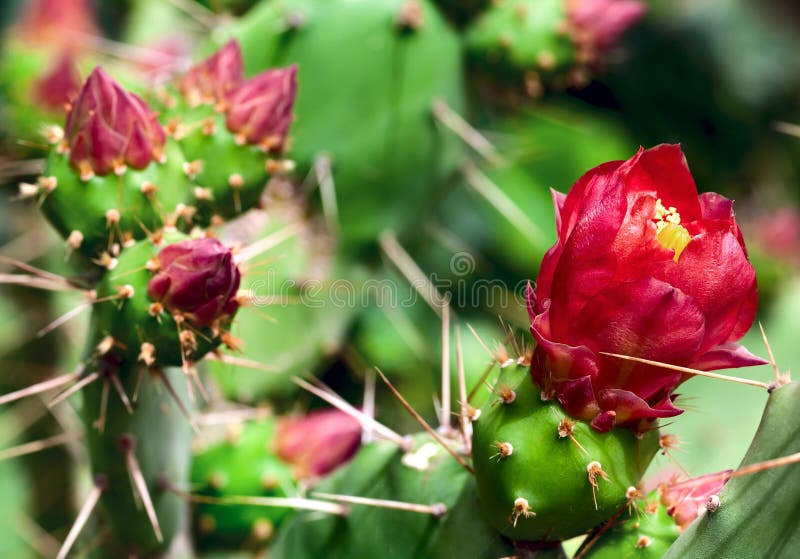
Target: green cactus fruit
[(292, 324), (543, 476), (370, 71), (216, 115), (645, 532), (244, 464), (734, 530), (168, 302), (113, 177), (425, 475), (158, 438)]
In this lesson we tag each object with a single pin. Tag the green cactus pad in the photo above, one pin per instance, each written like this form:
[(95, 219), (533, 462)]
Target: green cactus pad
[(242, 465), (757, 516), (366, 88), (161, 440), (638, 534), (128, 320), (523, 36), (84, 206), (426, 475), (542, 490)]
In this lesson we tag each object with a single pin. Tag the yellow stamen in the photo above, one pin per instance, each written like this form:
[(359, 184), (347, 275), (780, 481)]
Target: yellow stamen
[(669, 231)]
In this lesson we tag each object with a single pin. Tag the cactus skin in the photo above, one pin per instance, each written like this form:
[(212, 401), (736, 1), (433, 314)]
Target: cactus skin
[(548, 471), (732, 531), (642, 534), (378, 471), (242, 465), (162, 446), (367, 86), (83, 206)]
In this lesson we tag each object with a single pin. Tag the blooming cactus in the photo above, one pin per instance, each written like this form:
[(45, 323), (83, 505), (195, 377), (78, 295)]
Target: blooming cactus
[(109, 129), (645, 267), (197, 278)]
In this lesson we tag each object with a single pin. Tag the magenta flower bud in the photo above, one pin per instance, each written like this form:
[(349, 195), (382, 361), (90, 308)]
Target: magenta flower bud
[(198, 279), (318, 442), (598, 24), (260, 109), (59, 86), (212, 79), (109, 129), (59, 24)]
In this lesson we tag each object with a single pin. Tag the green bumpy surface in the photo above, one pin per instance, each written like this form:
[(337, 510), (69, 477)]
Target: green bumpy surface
[(521, 35), (758, 512), (366, 88), (221, 157), (77, 205), (129, 322), (242, 465), (548, 471), (378, 471), (624, 540), (162, 448)]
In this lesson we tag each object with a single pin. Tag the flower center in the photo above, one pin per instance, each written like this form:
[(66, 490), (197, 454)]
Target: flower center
[(669, 231)]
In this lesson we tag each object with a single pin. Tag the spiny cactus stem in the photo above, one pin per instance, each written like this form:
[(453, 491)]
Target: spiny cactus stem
[(43, 444), (412, 272), (690, 371), (366, 421), (127, 445), (597, 535), (279, 502), (83, 516), (40, 387), (327, 191), (464, 415), (437, 509), (175, 398), (424, 424), (269, 242), (461, 128), (502, 203)]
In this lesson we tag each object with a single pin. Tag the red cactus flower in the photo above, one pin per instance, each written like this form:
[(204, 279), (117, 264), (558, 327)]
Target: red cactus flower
[(686, 499), (57, 88), (198, 279), (109, 128), (212, 79), (319, 442), (598, 24), (260, 109), (644, 267)]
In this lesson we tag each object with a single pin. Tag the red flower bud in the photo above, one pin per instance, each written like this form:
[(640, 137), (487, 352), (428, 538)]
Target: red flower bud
[(644, 267), (109, 128), (59, 86), (197, 278), (598, 24), (212, 79), (56, 23), (260, 109), (686, 499), (318, 442)]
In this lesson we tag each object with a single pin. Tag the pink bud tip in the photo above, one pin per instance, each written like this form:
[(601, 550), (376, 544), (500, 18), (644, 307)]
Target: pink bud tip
[(108, 127), (685, 499), (598, 24), (56, 23), (212, 79), (260, 109), (59, 86), (318, 442), (197, 278)]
